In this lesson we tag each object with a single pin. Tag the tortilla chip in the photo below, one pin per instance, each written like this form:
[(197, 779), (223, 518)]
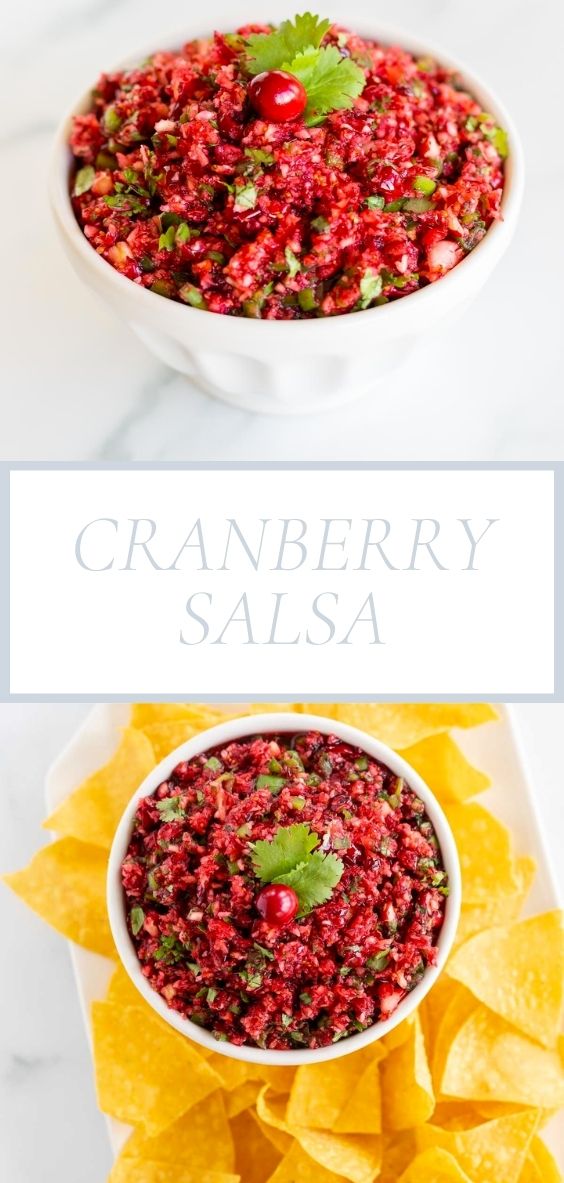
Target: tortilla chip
[(136, 1170), (432, 1011), (166, 736), (544, 1162), (147, 1074), (434, 1166), (255, 1157), (93, 811), (143, 714), (486, 856), (271, 1111), (232, 1073), (242, 1097), (489, 1060), (321, 1091), (65, 883), (476, 917), (362, 1113), (518, 972), (398, 1152), (200, 1140), (122, 991), (493, 1152), (357, 1157), (279, 1079), (460, 1005), (407, 1089), (279, 1140), (298, 1167), (445, 769), (401, 725)]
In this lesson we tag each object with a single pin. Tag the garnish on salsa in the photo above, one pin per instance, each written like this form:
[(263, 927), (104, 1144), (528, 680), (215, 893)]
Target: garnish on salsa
[(284, 891), (286, 173)]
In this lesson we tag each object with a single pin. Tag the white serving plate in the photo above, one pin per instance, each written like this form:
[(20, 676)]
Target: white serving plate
[(493, 747)]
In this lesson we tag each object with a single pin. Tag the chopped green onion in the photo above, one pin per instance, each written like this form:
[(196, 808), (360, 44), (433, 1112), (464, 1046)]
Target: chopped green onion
[(424, 185), (274, 783), (84, 180)]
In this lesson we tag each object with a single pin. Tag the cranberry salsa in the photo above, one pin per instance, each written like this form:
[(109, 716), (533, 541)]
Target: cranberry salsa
[(285, 173), (284, 891)]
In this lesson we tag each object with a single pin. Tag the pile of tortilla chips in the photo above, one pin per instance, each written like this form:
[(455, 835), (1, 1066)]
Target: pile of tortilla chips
[(458, 1093)]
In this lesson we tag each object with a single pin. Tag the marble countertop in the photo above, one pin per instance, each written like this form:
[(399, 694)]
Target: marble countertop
[(82, 387), (49, 1121)]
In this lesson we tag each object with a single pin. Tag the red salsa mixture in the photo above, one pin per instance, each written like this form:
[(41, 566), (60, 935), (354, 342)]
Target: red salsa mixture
[(356, 176), (284, 891)]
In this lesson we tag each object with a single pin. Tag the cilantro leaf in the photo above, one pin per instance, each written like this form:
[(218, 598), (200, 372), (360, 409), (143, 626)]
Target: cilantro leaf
[(288, 859), (170, 809), (332, 81), (269, 51), (245, 197), (313, 880), (290, 847)]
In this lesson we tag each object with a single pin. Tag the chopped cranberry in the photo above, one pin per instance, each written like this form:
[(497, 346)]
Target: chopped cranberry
[(278, 904), (277, 96)]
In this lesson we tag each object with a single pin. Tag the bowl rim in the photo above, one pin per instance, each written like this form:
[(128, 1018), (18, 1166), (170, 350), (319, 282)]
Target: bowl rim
[(439, 293), (240, 728)]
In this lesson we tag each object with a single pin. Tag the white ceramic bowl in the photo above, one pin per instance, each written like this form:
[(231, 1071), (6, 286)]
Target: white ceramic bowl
[(297, 366), (264, 724)]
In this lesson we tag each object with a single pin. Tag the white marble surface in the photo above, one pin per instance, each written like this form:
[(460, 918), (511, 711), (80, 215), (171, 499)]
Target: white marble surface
[(79, 386), (50, 1128)]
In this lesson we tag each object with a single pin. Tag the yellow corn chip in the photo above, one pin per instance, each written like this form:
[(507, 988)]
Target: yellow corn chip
[(298, 1167), (122, 991), (165, 737), (493, 1152), (279, 1079), (502, 910), (445, 769), (357, 1157), (65, 883), (271, 1108), (320, 1091), (490, 1061), (93, 811), (398, 1152), (362, 1113), (199, 1140), (143, 714), (277, 1137), (546, 1166), (146, 1073), (518, 971), (401, 725), (434, 1166), (255, 1157), (432, 1010), (407, 1088), (136, 1170), (231, 1072), (486, 857), (243, 1096), (460, 1005)]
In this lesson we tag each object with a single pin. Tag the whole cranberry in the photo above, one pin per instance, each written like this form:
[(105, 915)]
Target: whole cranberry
[(277, 96), (278, 904)]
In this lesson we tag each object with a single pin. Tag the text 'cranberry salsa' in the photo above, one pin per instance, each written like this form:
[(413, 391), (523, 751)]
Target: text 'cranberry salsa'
[(284, 891), (285, 174)]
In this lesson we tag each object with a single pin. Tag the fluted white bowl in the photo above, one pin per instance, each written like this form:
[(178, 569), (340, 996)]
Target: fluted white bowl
[(290, 366), (224, 733)]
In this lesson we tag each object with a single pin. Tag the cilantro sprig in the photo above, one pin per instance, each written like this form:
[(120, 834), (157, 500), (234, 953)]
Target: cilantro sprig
[(291, 858), (331, 80)]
